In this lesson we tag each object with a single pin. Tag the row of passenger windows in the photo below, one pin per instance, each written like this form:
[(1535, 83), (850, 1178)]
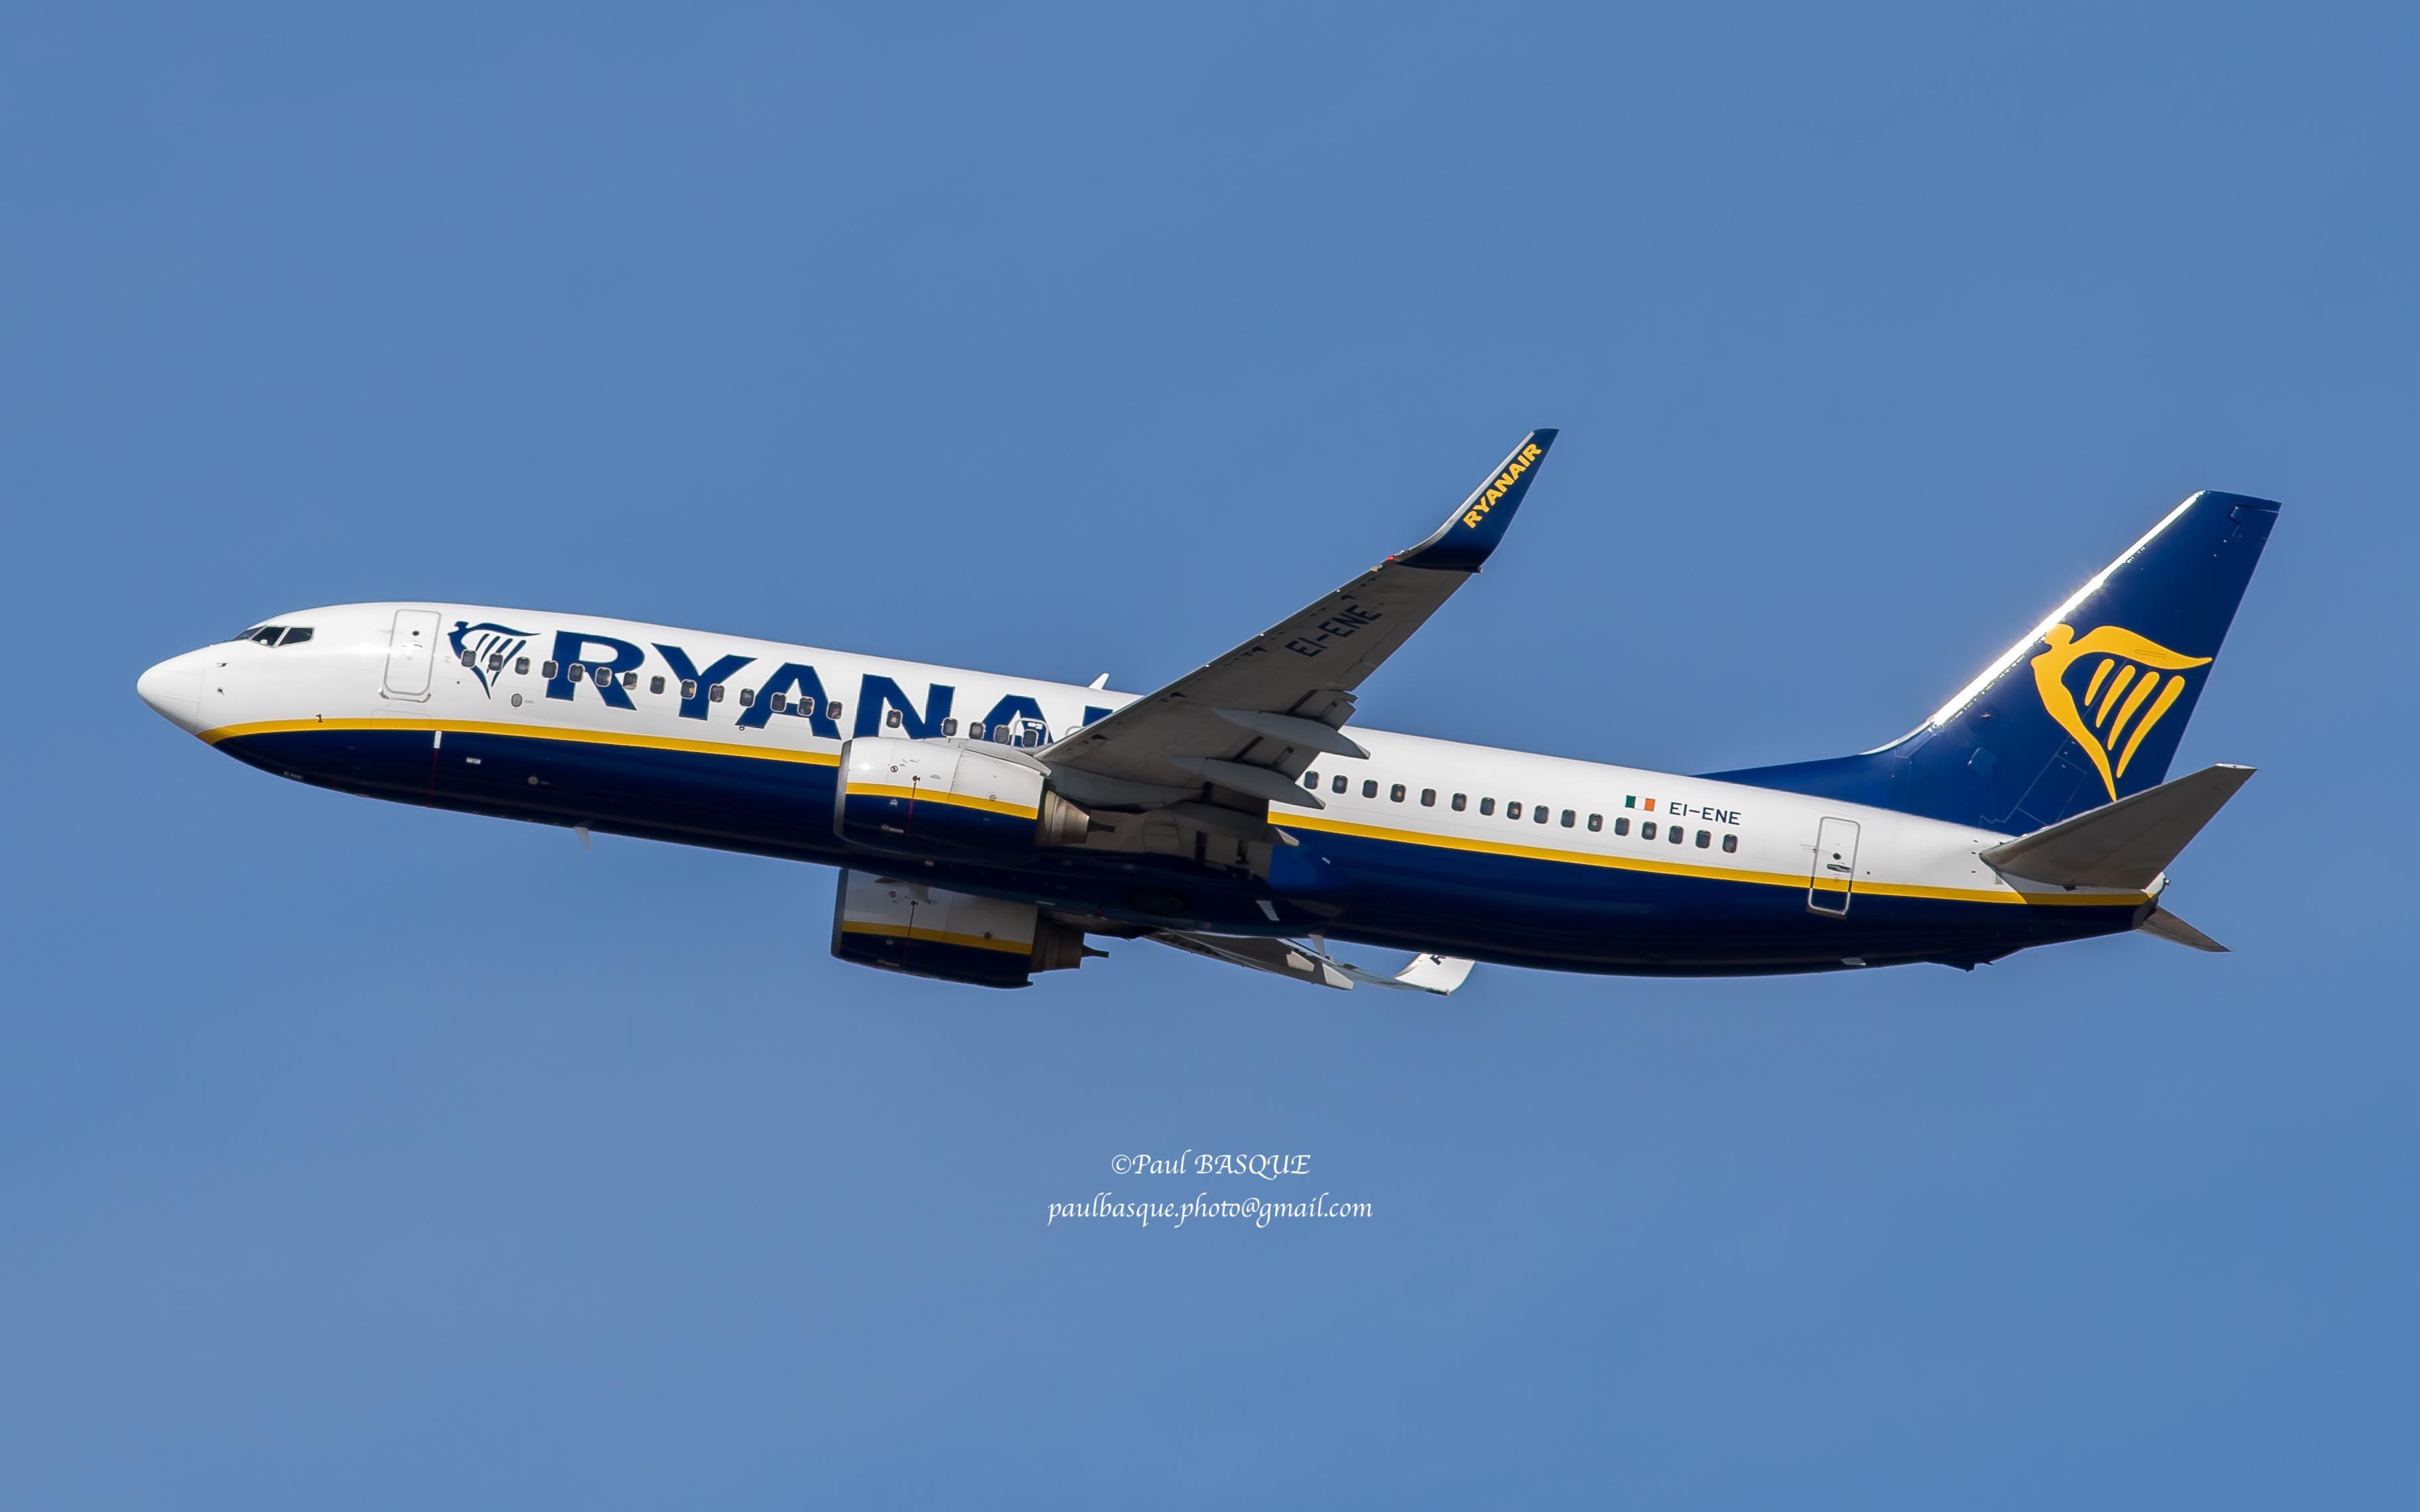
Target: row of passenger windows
[(277, 635), (1005, 733), (1541, 813)]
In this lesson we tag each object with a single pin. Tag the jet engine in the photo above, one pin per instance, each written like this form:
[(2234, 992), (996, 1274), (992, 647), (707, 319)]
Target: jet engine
[(938, 798), (931, 931)]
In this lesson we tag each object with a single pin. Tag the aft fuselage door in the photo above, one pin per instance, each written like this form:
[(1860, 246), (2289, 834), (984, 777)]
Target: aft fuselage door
[(411, 654), (1836, 865)]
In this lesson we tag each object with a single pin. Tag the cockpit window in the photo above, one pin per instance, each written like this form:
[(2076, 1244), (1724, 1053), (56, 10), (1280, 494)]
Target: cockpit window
[(267, 635), (296, 635)]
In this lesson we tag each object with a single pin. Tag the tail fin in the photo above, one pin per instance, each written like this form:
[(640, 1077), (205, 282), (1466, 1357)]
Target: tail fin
[(2089, 707)]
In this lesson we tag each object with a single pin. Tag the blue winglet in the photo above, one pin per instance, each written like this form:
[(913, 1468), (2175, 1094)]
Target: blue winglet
[(1462, 543)]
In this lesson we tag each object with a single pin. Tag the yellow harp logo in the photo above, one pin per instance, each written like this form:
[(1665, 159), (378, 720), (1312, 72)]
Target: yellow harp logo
[(2129, 690)]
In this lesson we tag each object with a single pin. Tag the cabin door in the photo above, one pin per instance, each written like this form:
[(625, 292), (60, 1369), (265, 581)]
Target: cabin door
[(1836, 865), (411, 654)]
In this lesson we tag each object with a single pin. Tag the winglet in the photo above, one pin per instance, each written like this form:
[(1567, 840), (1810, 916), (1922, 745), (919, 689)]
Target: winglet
[(1464, 541)]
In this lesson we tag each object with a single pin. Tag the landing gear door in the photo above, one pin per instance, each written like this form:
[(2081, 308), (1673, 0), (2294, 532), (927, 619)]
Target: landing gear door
[(411, 654), (1835, 867)]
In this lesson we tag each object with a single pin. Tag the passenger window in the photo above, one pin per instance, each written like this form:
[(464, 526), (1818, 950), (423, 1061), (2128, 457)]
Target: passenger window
[(890, 719), (495, 662), (834, 710), (1369, 790), (1513, 810), (1542, 812), (470, 658), (1310, 780), (1337, 783), (1428, 798), (747, 697), (548, 671), (949, 727), (521, 666), (1675, 833), (1487, 806), (974, 730), (714, 694), (1621, 825), (655, 684), (1395, 794), (689, 688), (629, 679), (1596, 821), (780, 701), (1570, 819), (1460, 803), (604, 677), (1646, 829), (1704, 839), (300, 633), (1730, 844), (807, 705)]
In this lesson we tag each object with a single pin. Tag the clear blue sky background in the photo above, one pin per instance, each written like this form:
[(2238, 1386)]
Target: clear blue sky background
[(352, 1155)]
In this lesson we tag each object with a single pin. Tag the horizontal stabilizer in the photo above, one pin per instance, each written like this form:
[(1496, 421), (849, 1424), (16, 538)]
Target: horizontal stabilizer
[(2167, 926), (2123, 845)]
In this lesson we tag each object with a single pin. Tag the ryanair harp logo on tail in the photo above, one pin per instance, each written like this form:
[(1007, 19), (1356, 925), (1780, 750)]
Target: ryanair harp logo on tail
[(2130, 684)]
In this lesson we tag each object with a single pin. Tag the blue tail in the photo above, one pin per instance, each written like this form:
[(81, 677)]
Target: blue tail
[(2086, 709)]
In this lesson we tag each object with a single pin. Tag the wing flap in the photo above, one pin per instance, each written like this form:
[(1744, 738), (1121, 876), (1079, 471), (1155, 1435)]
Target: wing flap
[(1283, 958), (1435, 974)]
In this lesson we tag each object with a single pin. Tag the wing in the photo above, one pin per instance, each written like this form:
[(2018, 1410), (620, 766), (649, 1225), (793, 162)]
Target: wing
[(1251, 720), (1435, 974)]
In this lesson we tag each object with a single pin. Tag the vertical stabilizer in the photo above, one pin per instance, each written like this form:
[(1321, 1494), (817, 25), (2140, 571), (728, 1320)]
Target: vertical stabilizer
[(2089, 706)]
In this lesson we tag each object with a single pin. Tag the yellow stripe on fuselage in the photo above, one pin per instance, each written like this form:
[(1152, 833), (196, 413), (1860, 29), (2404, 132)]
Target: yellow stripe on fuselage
[(580, 737), (1293, 820)]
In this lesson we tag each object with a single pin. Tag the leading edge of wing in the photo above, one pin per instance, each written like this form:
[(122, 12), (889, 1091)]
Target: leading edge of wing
[(1303, 671), (1471, 533)]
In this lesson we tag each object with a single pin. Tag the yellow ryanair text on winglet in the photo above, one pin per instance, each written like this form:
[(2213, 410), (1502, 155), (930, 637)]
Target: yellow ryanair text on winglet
[(1497, 486)]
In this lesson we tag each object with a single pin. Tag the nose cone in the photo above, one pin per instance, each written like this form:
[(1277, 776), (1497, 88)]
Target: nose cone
[(174, 690)]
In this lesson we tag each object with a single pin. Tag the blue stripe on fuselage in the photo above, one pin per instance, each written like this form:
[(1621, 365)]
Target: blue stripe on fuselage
[(1511, 909)]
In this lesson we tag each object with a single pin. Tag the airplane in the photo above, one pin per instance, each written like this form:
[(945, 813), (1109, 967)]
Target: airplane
[(988, 827)]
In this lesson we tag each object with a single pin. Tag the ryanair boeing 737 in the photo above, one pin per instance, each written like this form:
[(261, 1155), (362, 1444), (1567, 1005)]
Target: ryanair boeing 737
[(985, 825)]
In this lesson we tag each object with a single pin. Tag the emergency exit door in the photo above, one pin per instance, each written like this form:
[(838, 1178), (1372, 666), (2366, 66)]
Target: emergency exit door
[(411, 654), (1836, 865)]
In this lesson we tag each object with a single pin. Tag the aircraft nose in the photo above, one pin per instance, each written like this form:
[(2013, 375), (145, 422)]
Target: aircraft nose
[(174, 690)]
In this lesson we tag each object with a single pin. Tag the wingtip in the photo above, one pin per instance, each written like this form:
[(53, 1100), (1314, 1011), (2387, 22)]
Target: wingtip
[(1471, 533)]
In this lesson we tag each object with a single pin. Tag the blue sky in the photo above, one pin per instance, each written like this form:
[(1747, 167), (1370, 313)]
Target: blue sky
[(1092, 341)]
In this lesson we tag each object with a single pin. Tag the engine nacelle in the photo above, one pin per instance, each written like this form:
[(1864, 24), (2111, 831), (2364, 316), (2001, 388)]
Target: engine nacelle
[(933, 798), (931, 931)]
